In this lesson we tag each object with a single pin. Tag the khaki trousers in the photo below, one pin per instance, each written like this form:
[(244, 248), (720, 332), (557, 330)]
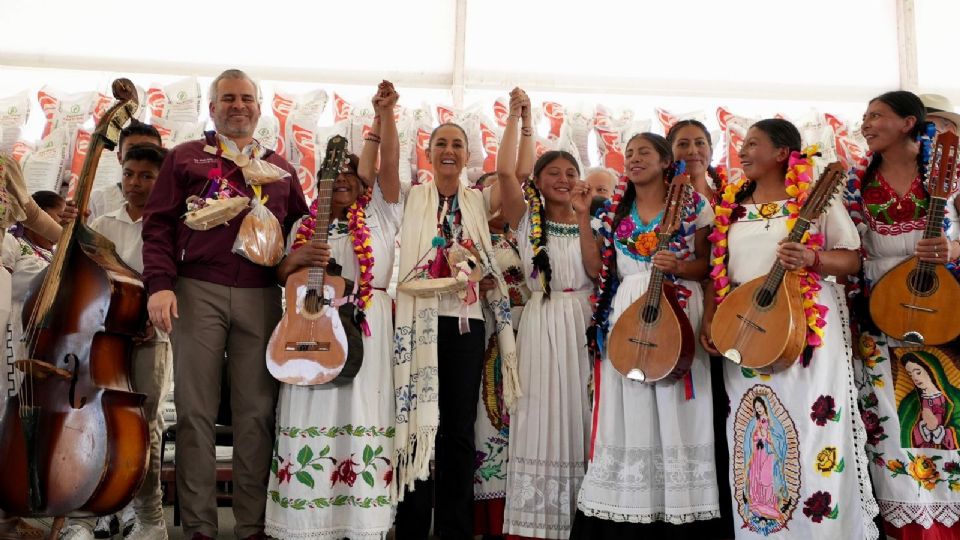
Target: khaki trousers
[(152, 363), (216, 319)]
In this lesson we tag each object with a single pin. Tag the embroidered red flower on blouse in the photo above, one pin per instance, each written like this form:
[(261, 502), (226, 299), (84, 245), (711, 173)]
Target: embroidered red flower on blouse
[(817, 506), (873, 426), (823, 410), (902, 210)]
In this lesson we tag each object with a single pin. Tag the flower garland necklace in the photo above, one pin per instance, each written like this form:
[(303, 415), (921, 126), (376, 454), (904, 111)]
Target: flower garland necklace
[(538, 242), (362, 248), (727, 211)]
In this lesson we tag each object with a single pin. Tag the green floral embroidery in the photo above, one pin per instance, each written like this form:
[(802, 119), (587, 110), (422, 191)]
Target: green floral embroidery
[(345, 470), (491, 461), (336, 431), (562, 229), (326, 502)]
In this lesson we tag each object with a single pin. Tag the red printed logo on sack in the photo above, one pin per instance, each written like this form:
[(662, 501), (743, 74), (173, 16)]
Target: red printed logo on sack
[(282, 107), (848, 151), (50, 106), (424, 167), (733, 133), (20, 151), (491, 145), (445, 114), (157, 101), (602, 118), (341, 109), (555, 114), (101, 106), (80, 146), (612, 153), (501, 111), (303, 139), (666, 119), (541, 149)]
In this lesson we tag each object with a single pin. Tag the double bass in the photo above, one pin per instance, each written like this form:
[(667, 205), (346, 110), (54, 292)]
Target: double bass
[(74, 439)]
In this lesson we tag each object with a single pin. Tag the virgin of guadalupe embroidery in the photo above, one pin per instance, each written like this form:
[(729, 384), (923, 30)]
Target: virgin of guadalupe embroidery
[(927, 391), (766, 462)]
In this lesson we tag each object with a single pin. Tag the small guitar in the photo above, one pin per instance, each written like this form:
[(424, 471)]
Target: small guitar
[(761, 324), (653, 340), (309, 346), (913, 301)]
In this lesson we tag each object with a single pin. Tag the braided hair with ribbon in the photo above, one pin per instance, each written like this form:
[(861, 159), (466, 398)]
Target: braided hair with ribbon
[(538, 238)]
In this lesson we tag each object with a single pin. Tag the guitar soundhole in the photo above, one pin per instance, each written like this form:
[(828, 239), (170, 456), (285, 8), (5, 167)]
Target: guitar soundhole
[(650, 314), (764, 297), (922, 282), (311, 302)]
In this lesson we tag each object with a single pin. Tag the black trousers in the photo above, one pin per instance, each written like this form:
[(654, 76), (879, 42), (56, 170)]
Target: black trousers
[(460, 358)]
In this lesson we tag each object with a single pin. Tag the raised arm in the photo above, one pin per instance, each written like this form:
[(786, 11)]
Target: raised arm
[(367, 168), (507, 194), (527, 155), (389, 177), (590, 246)]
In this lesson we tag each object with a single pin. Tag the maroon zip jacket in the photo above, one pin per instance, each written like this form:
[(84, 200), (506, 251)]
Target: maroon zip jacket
[(171, 249)]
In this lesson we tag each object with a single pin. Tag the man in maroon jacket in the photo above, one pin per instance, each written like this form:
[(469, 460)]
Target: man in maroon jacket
[(212, 301)]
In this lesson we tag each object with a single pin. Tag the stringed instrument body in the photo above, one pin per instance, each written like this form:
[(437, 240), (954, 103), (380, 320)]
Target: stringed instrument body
[(310, 345), (913, 301), (652, 340), (761, 324), (74, 439)]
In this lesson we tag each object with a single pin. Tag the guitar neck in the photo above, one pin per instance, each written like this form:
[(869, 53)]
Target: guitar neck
[(656, 275), (777, 272), (934, 225), (321, 231)]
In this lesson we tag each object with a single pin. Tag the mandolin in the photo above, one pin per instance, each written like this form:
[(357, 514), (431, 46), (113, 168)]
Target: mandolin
[(761, 324), (310, 344), (653, 340), (913, 301)]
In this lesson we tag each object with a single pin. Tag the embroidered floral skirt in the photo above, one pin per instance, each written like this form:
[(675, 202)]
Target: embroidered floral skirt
[(332, 461), (797, 462), (908, 401), (491, 435)]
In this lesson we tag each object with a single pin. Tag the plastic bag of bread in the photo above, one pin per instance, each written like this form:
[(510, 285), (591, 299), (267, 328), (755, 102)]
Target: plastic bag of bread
[(260, 238)]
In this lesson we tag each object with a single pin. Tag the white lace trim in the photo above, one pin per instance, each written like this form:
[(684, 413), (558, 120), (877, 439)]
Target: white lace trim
[(900, 514), (867, 500), (490, 496), (673, 519), (337, 533)]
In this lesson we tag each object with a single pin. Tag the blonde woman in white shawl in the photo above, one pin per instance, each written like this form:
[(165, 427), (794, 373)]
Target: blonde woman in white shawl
[(440, 342)]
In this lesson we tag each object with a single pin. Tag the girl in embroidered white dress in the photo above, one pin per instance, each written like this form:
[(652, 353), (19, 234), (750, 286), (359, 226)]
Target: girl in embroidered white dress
[(652, 467), (797, 464), (550, 427), (887, 200), (332, 467)]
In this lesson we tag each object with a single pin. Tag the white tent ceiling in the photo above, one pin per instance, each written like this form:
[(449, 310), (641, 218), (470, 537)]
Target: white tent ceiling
[(758, 56)]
